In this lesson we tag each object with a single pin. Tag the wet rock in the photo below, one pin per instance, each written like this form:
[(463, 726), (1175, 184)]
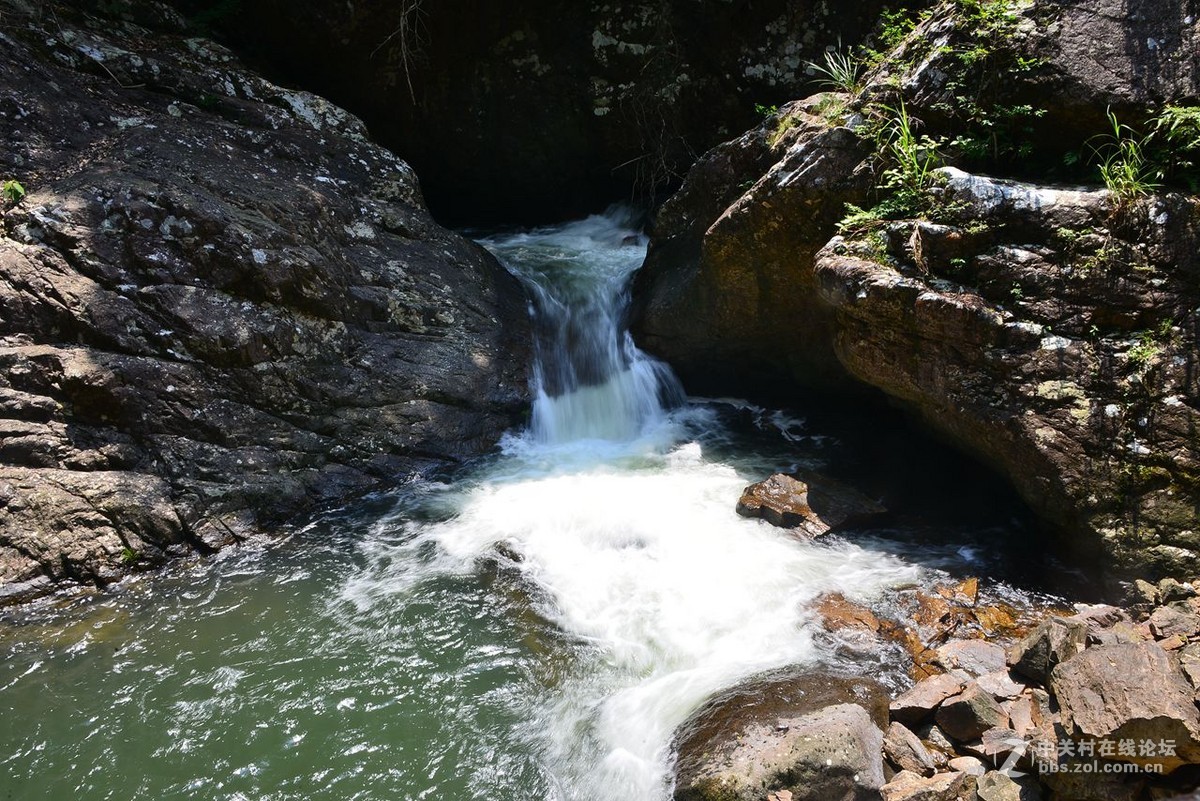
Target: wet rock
[(969, 714), (839, 614), (220, 305), (909, 786), (1129, 691), (906, 751), (832, 753), (919, 702), (1055, 640), (811, 508)]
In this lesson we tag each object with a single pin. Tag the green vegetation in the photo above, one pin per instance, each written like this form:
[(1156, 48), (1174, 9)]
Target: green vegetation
[(13, 192), (1175, 135), (1124, 166), (128, 555), (765, 111), (841, 71)]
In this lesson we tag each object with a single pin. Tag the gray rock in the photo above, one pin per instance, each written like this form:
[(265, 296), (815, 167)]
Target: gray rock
[(906, 751), (814, 735), (1055, 640), (919, 702), (972, 657), (1129, 691), (969, 714), (828, 755), (1001, 684), (220, 305), (1171, 590)]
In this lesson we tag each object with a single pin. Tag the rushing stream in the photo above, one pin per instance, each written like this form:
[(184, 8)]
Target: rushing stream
[(534, 629)]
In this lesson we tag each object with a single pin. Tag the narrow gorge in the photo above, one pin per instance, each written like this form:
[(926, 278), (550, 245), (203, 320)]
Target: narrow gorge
[(638, 400)]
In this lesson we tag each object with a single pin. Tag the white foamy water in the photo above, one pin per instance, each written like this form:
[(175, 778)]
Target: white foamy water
[(611, 509)]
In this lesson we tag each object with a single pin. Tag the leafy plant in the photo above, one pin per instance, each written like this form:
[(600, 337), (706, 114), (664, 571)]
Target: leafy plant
[(128, 555), (1124, 166), (13, 192), (914, 158), (765, 111), (1175, 131), (841, 71)]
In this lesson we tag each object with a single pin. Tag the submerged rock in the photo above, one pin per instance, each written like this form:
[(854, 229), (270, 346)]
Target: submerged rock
[(220, 304)]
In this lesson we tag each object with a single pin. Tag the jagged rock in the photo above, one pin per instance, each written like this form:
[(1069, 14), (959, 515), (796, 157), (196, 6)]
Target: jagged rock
[(906, 751), (1171, 590), (973, 658), (1129, 691), (811, 508), (728, 285), (969, 714), (220, 305), (909, 786), (1055, 640), (1042, 334), (1167, 621), (1001, 684), (838, 613), (919, 702)]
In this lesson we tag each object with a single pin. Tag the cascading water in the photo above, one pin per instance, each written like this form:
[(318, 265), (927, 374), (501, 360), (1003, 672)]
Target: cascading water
[(591, 381), (536, 629)]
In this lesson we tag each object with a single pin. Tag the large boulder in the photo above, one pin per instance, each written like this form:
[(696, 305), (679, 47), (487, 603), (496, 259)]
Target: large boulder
[(1130, 692), (1048, 331), (1044, 334), (816, 736), (220, 304), (811, 508), (728, 294)]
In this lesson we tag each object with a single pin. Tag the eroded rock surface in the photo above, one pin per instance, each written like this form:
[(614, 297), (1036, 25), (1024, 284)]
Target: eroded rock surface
[(219, 304)]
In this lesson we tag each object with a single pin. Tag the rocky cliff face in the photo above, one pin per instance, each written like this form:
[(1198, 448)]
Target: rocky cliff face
[(219, 303), (543, 108), (1051, 332)]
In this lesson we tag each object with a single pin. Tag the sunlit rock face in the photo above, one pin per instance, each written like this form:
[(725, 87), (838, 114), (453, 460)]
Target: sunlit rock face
[(220, 303)]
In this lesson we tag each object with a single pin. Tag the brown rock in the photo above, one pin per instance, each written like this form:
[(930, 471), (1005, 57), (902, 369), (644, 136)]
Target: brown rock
[(969, 714), (909, 786), (838, 613), (811, 508), (919, 702), (1055, 640), (906, 751), (1001, 684), (1167, 621), (1129, 691)]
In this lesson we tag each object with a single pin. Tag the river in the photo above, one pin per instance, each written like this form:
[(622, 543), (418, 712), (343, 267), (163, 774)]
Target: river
[(534, 627)]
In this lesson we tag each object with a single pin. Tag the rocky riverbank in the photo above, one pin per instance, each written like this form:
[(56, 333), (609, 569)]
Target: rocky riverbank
[(220, 304), (1048, 331), (1096, 704)]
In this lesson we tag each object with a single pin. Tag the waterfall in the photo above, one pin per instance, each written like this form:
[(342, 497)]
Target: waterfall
[(590, 379)]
